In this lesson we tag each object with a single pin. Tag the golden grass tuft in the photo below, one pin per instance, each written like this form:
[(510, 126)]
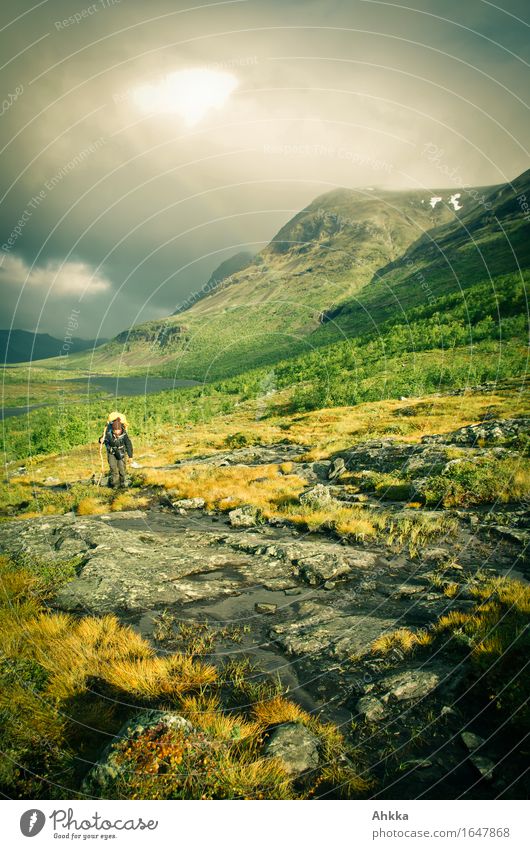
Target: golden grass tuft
[(450, 590), (227, 487), (90, 506), (402, 639), (128, 501), (206, 713), (264, 778), (277, 710)]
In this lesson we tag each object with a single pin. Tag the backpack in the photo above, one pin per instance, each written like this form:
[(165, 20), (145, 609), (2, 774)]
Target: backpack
[(115, 414)]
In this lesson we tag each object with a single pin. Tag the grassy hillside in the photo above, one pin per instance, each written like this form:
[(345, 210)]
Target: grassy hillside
[(325, 255), (488, 239), (450, 343)]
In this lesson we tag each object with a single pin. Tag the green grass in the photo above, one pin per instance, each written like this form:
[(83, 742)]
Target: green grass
[(432, 349)]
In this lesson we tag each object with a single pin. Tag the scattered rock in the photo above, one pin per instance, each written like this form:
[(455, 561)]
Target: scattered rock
[(435, 555), (329, 585), (487, 432), (295, 746), (408, 685), (244, 517), (317, 496), (471, 741), (370, 708), (321, 469), (318, 568), (408, 590), (485, 766), (337, 468), (368, 586), (189, 503), (263, 607)]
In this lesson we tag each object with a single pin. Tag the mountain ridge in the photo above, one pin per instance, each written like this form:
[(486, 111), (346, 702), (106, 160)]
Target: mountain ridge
[(353, 255)]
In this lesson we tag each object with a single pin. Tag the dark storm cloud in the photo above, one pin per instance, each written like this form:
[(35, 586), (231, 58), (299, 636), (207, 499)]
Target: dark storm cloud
[(122, 214)]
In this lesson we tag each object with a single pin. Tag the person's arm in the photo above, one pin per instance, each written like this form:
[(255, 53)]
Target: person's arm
[(128, 446)]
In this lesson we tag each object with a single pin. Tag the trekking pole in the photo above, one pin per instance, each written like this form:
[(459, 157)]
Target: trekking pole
[(101, 459)]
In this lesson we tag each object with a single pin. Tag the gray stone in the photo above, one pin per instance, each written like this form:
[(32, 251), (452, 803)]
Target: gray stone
[(331, 564), (408, 685), (263, 607), (189, 503), (471, 741), (408, 590), (485, 433), (320, 628), (295, 746), (435, 555), (485, 766), (317, 496), (321, 468), (243, 517), (337, 468), (370, 708)]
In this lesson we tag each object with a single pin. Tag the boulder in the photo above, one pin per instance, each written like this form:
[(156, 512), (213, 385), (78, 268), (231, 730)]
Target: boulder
[(317, 496), (295, 746), (408, 685), (264, 607), (106, 770), (370, 708), (244, 517)]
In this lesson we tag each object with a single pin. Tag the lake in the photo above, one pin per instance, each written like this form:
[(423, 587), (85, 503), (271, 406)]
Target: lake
[(113, 387), (120, 386)]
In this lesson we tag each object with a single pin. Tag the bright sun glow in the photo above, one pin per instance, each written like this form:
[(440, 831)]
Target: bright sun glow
[(190, 93)]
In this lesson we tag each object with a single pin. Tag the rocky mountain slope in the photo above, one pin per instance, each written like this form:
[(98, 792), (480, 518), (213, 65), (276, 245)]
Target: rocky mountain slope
[(392, 637), (490, 238), (327, 255)]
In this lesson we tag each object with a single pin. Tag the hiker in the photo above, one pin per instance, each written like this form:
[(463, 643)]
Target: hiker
[(119, 446)]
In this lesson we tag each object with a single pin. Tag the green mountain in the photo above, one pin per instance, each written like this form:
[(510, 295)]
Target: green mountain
[(349, 261), (488, 239)]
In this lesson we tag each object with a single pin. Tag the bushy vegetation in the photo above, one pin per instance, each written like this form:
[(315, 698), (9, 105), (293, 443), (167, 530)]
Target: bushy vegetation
[(481, 480), (452, 342), (22, 496)]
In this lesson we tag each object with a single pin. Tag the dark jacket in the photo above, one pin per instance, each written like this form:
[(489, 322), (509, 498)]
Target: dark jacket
[(118, 445)]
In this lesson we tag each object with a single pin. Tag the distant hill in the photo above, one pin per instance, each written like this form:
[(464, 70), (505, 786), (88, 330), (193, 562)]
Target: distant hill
[(352, 259), (20, 346)]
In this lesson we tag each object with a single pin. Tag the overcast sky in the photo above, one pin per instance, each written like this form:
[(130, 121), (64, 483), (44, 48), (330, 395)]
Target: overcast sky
[(145, 142)]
